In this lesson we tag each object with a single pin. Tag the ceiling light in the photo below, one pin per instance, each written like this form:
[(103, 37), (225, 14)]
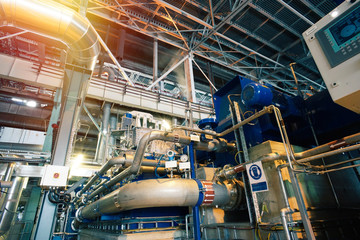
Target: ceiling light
[(16, 99), (334, 14), (31, 103)]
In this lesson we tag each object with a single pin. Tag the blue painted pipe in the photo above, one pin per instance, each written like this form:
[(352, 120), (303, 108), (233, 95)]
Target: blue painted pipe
[(196, 215)]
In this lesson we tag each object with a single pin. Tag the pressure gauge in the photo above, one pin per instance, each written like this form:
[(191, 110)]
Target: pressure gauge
[(184, 158)]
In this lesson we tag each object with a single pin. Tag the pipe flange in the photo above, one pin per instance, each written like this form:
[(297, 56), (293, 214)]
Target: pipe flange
[(78, 216), (235, 189), (209, 193)]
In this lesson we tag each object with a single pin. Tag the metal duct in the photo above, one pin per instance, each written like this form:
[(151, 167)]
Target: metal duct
[(10, 204), (175, 192), (54, 20)]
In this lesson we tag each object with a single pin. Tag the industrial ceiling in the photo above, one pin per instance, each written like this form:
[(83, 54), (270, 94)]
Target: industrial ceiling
[(258, 39)]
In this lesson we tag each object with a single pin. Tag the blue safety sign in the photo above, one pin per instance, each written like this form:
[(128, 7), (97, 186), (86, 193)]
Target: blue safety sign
[(257, 177)]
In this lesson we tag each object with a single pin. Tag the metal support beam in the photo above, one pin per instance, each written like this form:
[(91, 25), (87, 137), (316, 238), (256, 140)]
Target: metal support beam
[(224, 21), (13, 35), (167, 72), (295, 12), (113, 58), (204, 75)]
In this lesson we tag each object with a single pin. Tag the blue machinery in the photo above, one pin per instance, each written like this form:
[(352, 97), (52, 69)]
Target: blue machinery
[(312, 181), (150, 193)]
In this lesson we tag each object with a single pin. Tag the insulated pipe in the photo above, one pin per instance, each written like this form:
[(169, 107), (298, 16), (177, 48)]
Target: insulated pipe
[(173, 192), (56, 21), (10, 204)]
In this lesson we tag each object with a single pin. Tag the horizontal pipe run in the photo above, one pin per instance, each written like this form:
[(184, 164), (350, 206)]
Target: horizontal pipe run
[(331, 153), (342, 162), (336, 169), (329, 146), (262, 112), (29, 160), (312, 154), (5, 184), (173, 192)]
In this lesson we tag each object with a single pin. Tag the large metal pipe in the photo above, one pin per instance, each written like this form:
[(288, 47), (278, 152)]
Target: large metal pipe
[(10, 204), (173, 192), (214, 145), (54, 20)]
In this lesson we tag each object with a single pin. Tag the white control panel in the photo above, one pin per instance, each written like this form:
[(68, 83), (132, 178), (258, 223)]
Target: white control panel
[(334, 43), (55, 176)]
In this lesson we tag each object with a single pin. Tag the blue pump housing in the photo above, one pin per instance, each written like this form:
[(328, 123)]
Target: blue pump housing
[(256, 95), (251, 97)]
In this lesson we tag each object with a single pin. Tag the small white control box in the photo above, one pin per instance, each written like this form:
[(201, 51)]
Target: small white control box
[(55, 176)]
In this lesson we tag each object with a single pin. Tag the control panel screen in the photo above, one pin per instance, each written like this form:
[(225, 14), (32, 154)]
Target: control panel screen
[(340, 39)]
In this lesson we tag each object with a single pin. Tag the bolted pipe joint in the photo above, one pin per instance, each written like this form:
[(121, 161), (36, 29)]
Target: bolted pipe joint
[(235, 190)]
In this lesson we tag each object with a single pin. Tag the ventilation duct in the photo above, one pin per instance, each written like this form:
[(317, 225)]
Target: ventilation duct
[(56, 21)]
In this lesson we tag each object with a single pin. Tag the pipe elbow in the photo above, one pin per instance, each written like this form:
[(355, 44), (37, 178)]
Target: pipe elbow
[(285, 211), (54, 20)]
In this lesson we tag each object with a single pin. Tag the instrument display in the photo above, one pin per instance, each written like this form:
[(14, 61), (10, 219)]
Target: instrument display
[(340, 39)]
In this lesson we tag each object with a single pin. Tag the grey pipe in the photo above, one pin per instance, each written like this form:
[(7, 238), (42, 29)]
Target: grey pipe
[(54, 20), (101, 153), (125, 160), (173, 192), (283, 213), (10, 204), (5, 184), (215, 145), (7, 177), (112, 162), (262, 112)]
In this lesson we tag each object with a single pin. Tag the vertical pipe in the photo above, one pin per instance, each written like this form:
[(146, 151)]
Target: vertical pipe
[(283, 213), (105, 123), (189, 76), (155, 61), (10, 205), (196, 215), (113, 122), (7, 177)]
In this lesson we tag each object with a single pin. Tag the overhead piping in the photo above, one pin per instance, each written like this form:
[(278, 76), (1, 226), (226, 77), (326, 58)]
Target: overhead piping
[(56, 21)]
